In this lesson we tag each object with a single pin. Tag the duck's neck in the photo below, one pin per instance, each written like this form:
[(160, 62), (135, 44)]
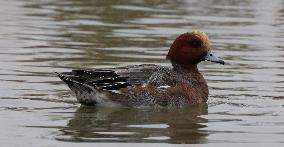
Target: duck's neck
[(191, 68)]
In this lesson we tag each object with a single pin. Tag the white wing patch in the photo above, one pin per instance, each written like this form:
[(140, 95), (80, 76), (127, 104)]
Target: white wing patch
[(164, 86)]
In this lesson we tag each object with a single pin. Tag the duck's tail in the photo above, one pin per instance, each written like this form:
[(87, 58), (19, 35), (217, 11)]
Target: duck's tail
[(85, 93)]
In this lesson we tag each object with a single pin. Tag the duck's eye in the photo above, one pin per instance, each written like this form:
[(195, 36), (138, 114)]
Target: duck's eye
[(195, 43)]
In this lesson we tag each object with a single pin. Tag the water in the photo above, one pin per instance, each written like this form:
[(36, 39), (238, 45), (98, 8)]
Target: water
[(40, 37)]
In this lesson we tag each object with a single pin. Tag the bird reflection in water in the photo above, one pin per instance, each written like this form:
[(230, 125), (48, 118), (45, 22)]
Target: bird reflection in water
[(100, 124)]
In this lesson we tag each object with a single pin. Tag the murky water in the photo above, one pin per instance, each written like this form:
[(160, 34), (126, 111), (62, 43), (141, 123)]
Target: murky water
[(42, 36)]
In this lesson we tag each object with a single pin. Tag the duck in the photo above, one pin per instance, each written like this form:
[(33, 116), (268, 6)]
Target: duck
[(149, 85)]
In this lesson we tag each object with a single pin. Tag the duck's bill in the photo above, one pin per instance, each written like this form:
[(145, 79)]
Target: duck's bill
[(213, 58)]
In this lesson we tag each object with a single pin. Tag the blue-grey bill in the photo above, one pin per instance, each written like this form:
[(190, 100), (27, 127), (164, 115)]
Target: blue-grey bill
[(213, 58)]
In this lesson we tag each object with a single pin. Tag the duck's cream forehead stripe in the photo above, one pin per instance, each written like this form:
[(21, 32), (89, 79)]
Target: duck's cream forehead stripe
[(199, 32)]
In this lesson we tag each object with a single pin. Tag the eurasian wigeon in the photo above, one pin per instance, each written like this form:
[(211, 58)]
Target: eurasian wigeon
[(149, 85)]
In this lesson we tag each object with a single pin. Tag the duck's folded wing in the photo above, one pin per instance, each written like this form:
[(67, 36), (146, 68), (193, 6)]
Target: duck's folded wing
[(108, 79), (138, 74)]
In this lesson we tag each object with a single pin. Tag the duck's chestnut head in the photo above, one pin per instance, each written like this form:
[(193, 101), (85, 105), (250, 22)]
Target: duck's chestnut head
[(191, 48)]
